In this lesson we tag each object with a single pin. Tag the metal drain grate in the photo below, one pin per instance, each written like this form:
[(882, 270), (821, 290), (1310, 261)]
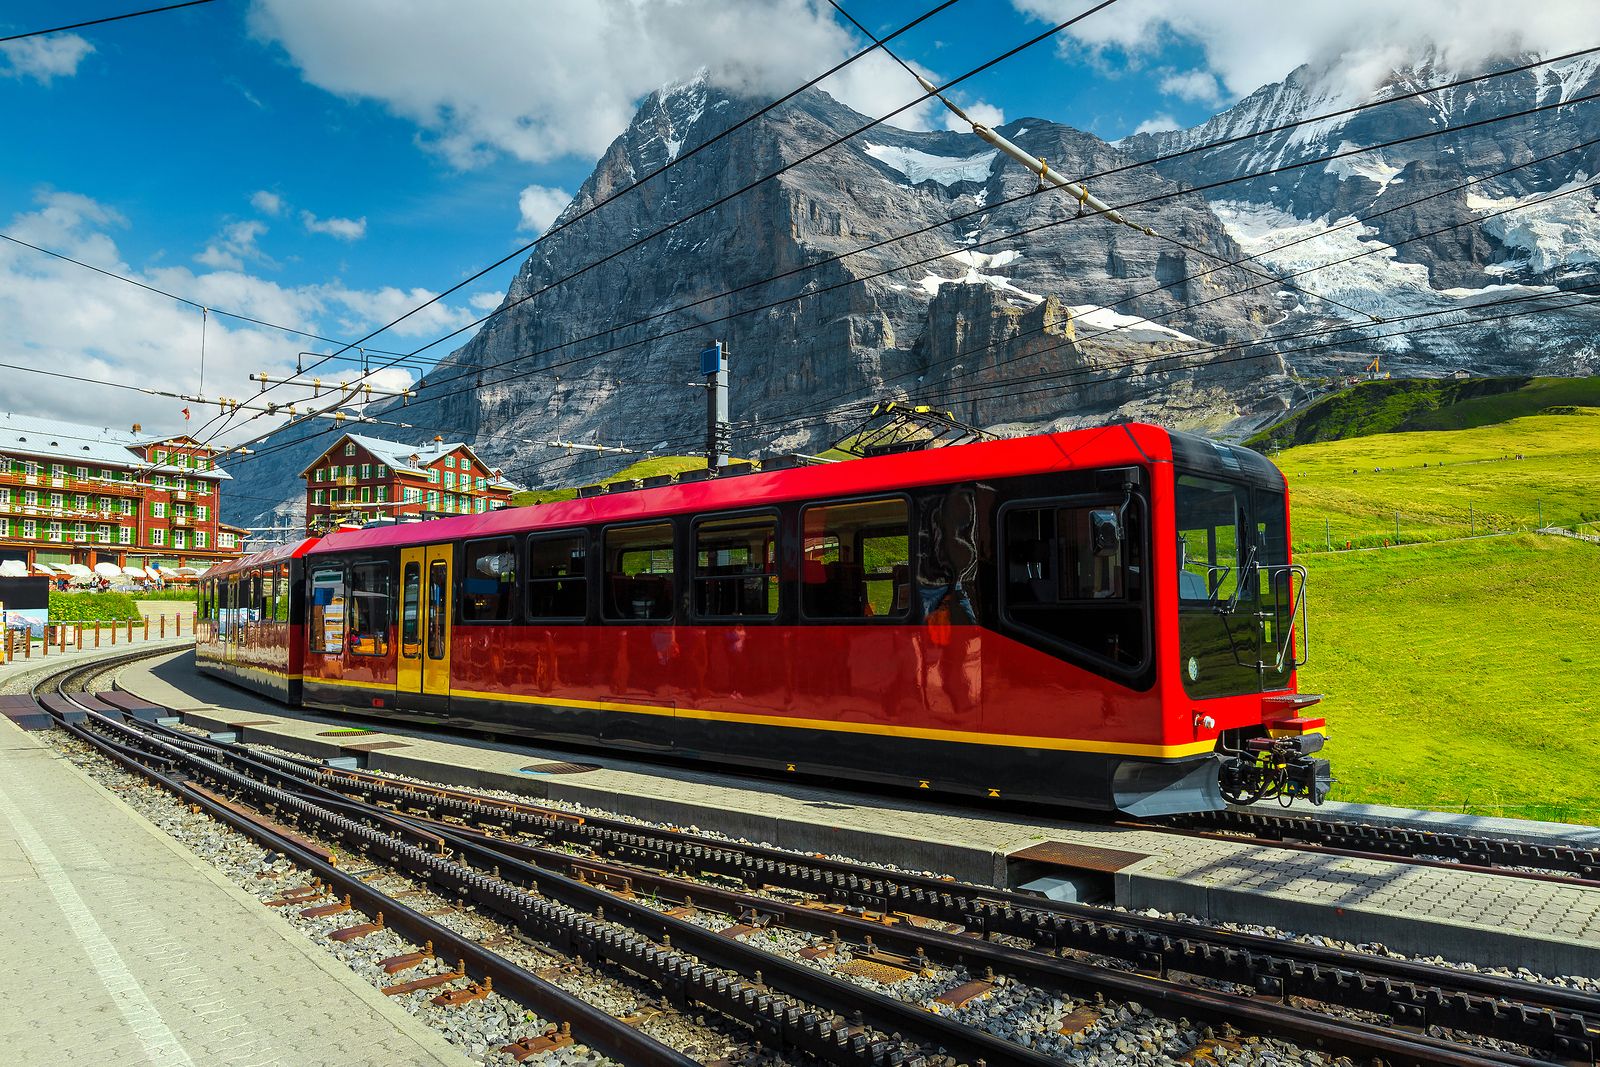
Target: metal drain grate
[(560, 768)]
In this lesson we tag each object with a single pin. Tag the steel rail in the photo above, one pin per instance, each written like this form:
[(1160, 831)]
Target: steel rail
[(1413, 994), (588, 1024)]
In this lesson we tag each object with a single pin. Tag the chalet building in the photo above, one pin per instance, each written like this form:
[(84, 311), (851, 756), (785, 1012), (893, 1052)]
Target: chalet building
[(361, 479), (75, 496)]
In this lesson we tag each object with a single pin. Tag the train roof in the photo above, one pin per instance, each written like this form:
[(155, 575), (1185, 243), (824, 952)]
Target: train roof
[(269, 557), (1117, 445)]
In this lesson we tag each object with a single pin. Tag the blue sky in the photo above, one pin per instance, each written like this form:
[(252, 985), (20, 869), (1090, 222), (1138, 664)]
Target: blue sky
[(329, 165)]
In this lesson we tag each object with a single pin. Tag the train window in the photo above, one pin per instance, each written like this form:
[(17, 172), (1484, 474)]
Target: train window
[(410, 610), (368, 631), (438, 601), (489, 580), (326, 624), (1211, 525), (736, 567), (1070, 578), (856, 560), (639, 575), (557, 585), (282, 612)]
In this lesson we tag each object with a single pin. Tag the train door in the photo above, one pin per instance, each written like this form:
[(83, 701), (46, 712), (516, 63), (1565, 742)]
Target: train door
[(423, 677)]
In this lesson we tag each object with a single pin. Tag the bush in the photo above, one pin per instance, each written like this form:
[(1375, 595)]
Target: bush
[(164, 594), (92, 607)]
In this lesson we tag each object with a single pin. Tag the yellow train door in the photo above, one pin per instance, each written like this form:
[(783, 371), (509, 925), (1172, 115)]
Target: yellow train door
[(423, 675)]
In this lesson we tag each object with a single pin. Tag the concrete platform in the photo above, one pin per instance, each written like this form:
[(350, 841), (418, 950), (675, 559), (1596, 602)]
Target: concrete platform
[(1485, 919), (122, 947)]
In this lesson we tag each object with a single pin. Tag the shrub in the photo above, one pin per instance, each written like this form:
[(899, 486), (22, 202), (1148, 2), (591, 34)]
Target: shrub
[(92, 607)]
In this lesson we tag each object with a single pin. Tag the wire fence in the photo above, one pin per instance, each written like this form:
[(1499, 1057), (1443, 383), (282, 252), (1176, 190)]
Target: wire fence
[(1392, 529)]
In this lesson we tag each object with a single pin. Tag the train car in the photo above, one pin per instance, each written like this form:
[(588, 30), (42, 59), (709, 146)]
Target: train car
[(250, 619), (1104, 618)]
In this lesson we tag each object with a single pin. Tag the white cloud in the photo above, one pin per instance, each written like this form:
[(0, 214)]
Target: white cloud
[(44, 58), (235, 245), (487, 301), (343, 229), (540, 206), (1200, 86), (1354, 43), (60, 317), (1157, 124), (497, 77), (267, 203), (984, 114)]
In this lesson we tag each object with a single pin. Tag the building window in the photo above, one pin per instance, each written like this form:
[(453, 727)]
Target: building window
[(349, 448), (178, 539), (226, 540), (127, 507), (125, 535), (201, 463), (82, 473), (366, 494), (55, 531), (81, 502), (199, 539), (30, 498), (433, 475), (450, 461), (158, 509), (103, 534), (319, 475), (5, 497), (856, 560), (483, 483), (80, 531), (380, 471), (383, 494), (638, 572), (316, 496), (105, 504), (161, 456), (483, 505), (158, 537), (449, 480), (366, 471), (55, 501), (30, 528), (201, 512)]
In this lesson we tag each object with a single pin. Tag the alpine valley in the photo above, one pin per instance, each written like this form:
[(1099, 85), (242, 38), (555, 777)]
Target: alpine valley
[(928, 267)]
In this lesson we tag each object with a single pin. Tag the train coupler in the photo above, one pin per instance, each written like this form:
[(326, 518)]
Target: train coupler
[(1281, 768)]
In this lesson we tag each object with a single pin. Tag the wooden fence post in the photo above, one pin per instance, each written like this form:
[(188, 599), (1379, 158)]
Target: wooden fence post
[(163, 627), (8, 646), (97, 633), (146, 629), (61, 636), (27, 645), (113, 634), (78, 637), (130, 631)]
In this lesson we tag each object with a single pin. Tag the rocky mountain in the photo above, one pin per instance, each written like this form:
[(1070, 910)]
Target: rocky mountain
[(1457, 209), (1004, 305)]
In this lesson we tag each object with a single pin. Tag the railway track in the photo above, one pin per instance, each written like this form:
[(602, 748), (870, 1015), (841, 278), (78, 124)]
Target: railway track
[(606, 889)]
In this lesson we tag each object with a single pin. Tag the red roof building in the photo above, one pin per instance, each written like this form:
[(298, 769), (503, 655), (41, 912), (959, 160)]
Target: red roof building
[(362, 479), (74, 496)]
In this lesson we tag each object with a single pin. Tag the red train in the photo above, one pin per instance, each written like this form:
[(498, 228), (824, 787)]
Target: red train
[(1106, 618)]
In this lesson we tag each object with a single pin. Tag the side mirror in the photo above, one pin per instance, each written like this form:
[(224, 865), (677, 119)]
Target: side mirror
[(1106, 529)]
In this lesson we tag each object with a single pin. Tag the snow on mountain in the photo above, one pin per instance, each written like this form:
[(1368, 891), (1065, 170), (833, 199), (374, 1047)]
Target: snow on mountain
[(1551, 231), (1364, 165), (1096, 323), (919, 167)]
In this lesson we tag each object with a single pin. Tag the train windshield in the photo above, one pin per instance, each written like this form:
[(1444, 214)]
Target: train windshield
[(1237, 595)]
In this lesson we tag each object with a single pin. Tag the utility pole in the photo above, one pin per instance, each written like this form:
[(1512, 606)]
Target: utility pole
[(719, 434)]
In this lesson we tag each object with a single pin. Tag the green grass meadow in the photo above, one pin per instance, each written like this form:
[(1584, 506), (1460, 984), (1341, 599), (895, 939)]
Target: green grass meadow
[(1444, 484), (1461, 674)]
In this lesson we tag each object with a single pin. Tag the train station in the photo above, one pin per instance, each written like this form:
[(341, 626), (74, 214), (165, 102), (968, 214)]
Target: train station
[(779, 534)]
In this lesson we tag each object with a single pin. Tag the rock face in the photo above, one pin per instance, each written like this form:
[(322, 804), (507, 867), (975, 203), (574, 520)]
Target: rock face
[(926, 266)]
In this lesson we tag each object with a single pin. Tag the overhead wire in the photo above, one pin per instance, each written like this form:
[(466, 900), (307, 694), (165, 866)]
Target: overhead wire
[(103, 21)]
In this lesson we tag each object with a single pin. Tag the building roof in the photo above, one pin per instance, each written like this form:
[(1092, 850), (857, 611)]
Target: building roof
[(71, 442), (397, 454)]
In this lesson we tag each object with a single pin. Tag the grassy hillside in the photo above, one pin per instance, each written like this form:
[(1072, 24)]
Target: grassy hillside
[(1461, 676), (1445, 483), (644, 468), (1403, 404)]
